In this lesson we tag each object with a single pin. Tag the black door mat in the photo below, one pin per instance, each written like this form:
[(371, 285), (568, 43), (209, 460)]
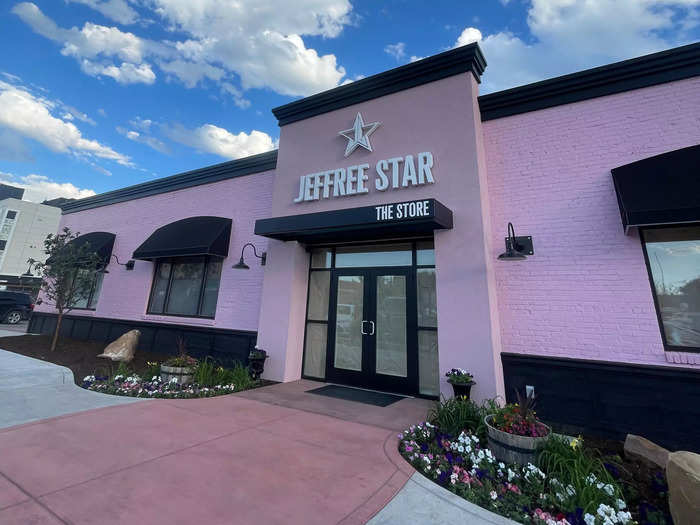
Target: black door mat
[(368, 397)]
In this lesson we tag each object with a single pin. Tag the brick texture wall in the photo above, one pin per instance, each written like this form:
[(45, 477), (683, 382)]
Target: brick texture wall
[(125, 293), (585, 293)]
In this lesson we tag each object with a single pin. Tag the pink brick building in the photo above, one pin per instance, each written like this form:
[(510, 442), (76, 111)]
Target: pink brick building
[(381, 219)]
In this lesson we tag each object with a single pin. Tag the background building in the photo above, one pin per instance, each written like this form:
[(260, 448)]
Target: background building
[(23, 227)]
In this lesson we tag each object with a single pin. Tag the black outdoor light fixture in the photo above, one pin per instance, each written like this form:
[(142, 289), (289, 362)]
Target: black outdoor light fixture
[(28, 273), (241, 265), (517, 248), (129, 265)]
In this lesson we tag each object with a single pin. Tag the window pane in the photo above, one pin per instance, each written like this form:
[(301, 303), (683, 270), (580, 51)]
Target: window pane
[(96, 292), (82, 301), (425, 253), (378, 255), (427, 297), (185, 287), (348, 322), (428, 375), (319, 291), (391, 349), (674, 259), (321, 258), (211, 288), (315, 351), (160, 287)]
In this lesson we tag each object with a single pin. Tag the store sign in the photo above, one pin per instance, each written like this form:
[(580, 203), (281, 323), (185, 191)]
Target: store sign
[(386, 174), (404, 210)]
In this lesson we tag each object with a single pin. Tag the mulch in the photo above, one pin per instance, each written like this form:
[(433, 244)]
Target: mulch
[(79, 356), (643, 483)]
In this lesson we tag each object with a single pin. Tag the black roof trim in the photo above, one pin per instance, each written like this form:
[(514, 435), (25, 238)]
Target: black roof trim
[(226, 170), (649, 70), (436, 67)]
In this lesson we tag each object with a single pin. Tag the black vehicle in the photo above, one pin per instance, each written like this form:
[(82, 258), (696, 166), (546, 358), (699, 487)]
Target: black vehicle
[(15, 307)]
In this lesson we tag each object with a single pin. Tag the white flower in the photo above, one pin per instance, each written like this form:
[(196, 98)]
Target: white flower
[(624, 517), (501, 465), (589, 519), (89, 379), (460, 448), (621, 504), (511, 475), (493, 494), (173, 380), (609, 489)]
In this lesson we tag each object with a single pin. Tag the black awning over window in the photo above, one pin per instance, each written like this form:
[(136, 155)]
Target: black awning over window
[(399, 219), (100, 243), (191, 236), (660, 190)]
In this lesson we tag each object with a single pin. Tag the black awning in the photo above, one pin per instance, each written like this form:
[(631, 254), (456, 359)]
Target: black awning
[(99, 242), (191, 236), (399, 219), (660, 190)]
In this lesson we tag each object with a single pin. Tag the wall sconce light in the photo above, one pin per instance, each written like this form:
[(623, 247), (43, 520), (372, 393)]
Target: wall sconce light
[(517, 248), (129, 265), (241, 265)]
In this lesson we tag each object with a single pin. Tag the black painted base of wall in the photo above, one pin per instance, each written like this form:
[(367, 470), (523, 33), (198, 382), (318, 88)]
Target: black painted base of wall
[(226, 346), (611, 399)]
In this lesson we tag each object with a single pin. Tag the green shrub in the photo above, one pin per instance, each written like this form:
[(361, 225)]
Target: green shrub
[(240, 376), (152, 370), (572, 465), (205, 374), (456, 414)]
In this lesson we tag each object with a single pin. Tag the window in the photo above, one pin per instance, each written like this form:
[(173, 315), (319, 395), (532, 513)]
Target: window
[(188, 286), (3, 244), (673, 259), (89, 301), (11, 214)]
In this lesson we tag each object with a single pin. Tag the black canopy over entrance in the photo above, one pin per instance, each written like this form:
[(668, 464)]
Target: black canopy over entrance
[(191, 236), (399, 219), (660, 190)]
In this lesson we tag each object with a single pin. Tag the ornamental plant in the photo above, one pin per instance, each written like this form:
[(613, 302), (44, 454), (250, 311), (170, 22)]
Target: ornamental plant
[(526, 494), (520, 418), (459, 376), (182, 359)]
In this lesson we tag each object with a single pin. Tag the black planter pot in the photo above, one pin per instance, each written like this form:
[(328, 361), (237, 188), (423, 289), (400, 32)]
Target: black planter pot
[(462, 389), (256, 365)]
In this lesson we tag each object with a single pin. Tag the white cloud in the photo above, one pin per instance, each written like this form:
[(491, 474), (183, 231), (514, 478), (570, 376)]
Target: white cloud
[(38, 188), (257, 42), (30, 116), (570, 36), (143, 138), (236, 94), (126, 73), (398, 50), (219, 141), (117, 10)]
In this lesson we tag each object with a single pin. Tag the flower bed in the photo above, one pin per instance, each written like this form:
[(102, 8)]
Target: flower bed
[(523, 493), (135, 386)]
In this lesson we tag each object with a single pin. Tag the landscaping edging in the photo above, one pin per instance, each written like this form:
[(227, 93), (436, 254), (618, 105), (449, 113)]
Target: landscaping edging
[(429, 503)]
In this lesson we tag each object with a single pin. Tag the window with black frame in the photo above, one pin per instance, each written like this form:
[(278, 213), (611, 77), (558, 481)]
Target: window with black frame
[(673, 258), (186, 286), (89, 301)]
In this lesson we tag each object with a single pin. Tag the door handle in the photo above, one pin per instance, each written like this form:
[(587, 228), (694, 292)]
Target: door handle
[(362, 328), (372, 323)]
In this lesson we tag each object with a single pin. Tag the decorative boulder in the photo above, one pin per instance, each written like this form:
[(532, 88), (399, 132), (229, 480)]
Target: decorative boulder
[(637, 446), (683, 476), (124, 348)]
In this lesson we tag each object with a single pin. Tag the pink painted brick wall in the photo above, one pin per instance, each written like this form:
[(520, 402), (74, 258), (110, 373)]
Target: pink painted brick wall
[(125, 293), (585, 293)]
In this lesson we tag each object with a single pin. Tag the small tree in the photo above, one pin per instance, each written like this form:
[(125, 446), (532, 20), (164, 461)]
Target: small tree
[(68, 274)]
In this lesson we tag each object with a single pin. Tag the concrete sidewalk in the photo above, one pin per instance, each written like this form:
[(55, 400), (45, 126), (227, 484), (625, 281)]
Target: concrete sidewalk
[(31, 390)]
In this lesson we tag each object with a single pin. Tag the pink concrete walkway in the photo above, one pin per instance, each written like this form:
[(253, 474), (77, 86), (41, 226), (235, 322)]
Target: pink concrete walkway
[(224, 460)]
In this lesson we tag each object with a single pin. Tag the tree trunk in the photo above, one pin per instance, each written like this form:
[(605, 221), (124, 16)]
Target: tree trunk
[(54, 341)]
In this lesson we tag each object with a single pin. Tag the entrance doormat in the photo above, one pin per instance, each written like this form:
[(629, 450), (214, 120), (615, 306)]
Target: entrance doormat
[(378, 399)]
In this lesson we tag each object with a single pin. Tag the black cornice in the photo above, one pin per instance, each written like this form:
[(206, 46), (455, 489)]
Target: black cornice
[(443, 65), (225, 170), (658, 68)]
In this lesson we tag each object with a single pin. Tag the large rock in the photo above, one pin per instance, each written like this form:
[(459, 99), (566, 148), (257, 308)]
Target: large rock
[(124, 348), (639, 447), (683, 476)]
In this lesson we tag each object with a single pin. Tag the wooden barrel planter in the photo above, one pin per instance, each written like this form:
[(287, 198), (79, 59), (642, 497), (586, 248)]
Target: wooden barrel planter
[(511, 448), (183, 374)]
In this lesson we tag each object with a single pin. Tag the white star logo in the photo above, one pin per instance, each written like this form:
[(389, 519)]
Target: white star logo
[(359, 134)]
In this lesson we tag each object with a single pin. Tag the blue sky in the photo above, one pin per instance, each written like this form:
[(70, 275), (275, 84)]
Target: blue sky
[(101, 94)]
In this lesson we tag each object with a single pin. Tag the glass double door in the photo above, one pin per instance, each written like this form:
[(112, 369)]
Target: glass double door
[(372, 313)]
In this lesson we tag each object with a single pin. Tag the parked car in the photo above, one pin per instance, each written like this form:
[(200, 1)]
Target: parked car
[(15, 307)]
